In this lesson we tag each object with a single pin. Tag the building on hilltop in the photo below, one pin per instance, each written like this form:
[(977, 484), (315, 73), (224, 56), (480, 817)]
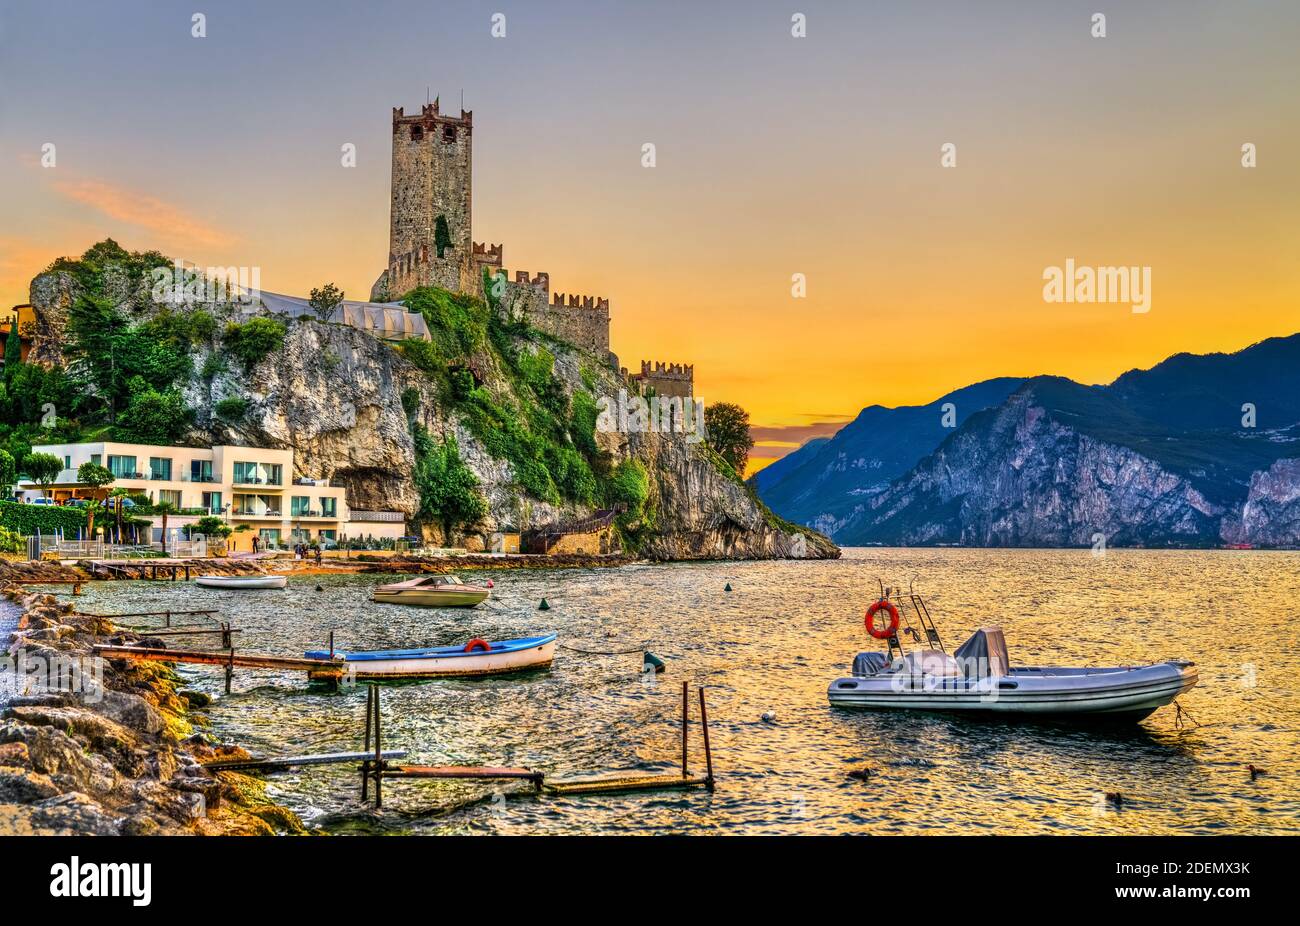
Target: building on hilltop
[(665, 379), (390, 322), (431, 240)]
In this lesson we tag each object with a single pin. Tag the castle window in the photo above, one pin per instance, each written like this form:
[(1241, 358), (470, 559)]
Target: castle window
[(449, 133), (417, 132)]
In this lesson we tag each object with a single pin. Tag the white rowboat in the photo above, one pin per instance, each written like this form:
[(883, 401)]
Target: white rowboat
[(477, 657), (241, 581)]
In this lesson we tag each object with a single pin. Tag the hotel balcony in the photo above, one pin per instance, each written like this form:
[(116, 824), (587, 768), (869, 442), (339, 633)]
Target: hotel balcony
[(250, 513)]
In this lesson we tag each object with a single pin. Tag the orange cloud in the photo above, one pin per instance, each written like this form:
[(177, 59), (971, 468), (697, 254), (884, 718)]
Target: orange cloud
[(143, 210)]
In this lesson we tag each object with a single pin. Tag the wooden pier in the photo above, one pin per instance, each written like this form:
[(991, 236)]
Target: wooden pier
[(144, 568), (330, 670), (376, 768)]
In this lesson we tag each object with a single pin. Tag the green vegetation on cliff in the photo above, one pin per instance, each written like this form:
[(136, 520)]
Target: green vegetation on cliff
[(120, 379), (501, 380)]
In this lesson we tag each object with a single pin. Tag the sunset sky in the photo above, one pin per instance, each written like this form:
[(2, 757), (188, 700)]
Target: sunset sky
[(776, 156)]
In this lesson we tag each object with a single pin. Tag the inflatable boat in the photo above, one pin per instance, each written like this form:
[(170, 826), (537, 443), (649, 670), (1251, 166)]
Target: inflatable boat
[(979, 677)]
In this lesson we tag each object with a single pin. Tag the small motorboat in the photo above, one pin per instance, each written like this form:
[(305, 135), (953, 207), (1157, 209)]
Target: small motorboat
[(978, 676), (477, 657), (433, 592), (242, 581)]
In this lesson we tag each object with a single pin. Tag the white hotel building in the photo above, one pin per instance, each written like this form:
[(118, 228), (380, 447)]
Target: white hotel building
[(249, 486)]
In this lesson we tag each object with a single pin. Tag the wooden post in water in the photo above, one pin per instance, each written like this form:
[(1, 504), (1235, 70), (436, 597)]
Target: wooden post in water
[(379, 759), (686, 703), (365, 765), (230, 669), (708, 752)]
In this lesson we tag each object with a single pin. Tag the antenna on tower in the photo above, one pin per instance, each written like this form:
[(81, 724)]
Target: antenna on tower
[(462, 99), (426, 94)]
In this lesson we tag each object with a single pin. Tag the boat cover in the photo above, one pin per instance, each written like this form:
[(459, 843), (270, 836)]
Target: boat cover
[(984, 655), (869, 663)]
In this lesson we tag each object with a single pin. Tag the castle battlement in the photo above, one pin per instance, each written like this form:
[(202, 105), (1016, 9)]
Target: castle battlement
[(541, 282), (665, 379), (684, 371), (598, 303), (429, 114), (489, 253)]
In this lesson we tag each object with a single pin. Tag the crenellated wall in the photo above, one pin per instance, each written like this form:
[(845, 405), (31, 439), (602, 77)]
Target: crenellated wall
[(666, 379)]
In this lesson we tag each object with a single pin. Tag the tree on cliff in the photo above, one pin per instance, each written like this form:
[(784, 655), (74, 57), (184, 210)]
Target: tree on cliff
[(448, 489), (726, 428), (325, 300), (441, 235), (96, 477)]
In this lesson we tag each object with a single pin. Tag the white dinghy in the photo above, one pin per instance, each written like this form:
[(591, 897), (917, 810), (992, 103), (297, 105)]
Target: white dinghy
[(979, 676), (242, 581)]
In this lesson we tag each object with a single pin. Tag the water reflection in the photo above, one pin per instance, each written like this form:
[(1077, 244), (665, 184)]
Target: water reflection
[(771, 646)]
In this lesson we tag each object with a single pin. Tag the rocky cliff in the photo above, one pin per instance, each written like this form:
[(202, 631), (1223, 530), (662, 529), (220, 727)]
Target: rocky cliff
[(335, 395)]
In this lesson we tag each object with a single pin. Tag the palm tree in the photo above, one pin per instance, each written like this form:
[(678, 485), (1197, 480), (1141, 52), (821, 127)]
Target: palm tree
[(95, 477), (119, 494), (165, 508)]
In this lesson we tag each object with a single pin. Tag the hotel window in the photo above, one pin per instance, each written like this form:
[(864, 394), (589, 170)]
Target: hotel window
[(330, 535), (170, 495), (160, 468), (200, 470), (96, 459), (212, 502), (246, 473), (122, 467), (274, 473), (67, 461), (329, 506), (299, 505)]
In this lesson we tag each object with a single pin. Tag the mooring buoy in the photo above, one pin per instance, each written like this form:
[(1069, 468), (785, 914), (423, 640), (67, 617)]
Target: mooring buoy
[(651, 663), (769, 717), (728, 588), (543, 606)]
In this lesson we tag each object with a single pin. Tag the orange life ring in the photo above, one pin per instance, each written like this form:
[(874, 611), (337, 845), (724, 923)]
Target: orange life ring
[(885, 605), (476, 644)]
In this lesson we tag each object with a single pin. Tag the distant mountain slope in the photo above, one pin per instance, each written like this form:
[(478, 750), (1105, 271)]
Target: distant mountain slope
[(826, 481), (1158, 457)]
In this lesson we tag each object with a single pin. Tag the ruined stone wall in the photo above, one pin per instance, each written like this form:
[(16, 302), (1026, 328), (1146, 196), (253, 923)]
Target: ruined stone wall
[(580, 320), (667, 379)]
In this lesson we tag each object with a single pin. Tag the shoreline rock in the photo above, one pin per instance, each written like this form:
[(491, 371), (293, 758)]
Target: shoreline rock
[(116, 754)]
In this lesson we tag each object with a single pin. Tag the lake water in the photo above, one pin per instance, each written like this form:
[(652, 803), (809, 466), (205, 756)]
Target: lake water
[(772, 645)]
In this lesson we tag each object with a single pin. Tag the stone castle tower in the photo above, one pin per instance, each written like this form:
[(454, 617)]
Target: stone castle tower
[(433, 178)]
